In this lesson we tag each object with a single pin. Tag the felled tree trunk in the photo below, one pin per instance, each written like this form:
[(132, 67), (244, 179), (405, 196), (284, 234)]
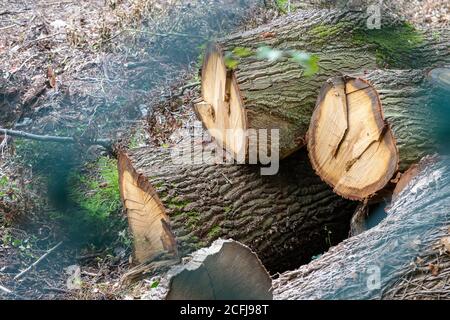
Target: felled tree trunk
[(227, 270), (406, 256), (242, 91), (178, 208), (365, 128)]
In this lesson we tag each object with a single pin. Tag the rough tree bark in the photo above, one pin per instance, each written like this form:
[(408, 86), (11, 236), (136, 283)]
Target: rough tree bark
[(406, 256), (227, 270), (285, 218), (263, 94), (350, 141)]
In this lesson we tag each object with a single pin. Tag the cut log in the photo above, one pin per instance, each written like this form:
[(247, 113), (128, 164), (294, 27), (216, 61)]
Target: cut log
[(365, 128), (285, 218), (276, 94), (350, 145), (406, 256), (227, 270)]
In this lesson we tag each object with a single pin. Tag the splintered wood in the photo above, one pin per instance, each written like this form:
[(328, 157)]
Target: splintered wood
[(222, 109)]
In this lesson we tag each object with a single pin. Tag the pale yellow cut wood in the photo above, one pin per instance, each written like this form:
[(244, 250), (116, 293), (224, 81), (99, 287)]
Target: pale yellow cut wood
[(226, 121), (146, 216), (206, 112), (227, 270), (361, 161), (339, 121)]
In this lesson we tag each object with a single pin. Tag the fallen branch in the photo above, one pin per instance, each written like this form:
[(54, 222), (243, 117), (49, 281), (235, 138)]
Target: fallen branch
[(23, 272), (45, 138)]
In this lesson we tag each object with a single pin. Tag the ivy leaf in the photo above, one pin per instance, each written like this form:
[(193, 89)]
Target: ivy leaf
[(242, 52), (230, 61), (282, 5), (309, 62), (268, 53), (312, 67), (300, 57)]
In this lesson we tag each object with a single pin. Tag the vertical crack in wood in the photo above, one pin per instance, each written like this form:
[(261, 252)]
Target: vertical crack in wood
[(345, 107)]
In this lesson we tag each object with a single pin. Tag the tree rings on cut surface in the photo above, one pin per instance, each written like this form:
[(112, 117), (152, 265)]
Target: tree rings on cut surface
[(227, 270), (350, 145)]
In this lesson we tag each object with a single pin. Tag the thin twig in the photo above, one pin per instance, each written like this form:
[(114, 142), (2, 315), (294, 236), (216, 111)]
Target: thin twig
[(23, 272), (45, 138), (6, 290), (56, 290), (10, 292), (57, 3), (8, 12), (228, 180), (7, 27), (43, 38), (167, 34), (22, 65)]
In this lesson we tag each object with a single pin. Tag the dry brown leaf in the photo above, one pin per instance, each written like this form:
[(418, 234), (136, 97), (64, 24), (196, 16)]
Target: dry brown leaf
[(266, 35), (434, 269), (51, 76)]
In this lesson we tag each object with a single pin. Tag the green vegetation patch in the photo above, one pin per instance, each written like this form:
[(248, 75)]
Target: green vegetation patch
[(193, 218), (215, 232), (98, 194), (94, 215), (324, 32), (174, 203), (395, 45), (8, 189)]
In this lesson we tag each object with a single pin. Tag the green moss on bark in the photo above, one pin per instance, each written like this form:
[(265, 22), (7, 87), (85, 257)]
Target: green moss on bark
[(215, 232), (395, 46), (322, 33)]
